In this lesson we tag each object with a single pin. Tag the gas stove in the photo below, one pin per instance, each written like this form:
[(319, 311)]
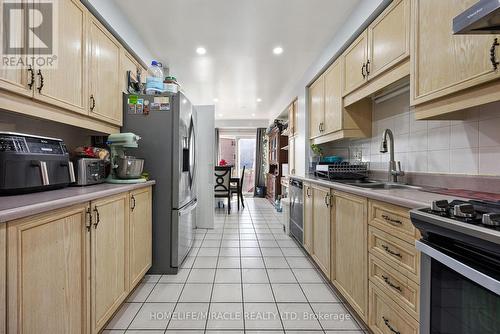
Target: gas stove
[(481, 213)]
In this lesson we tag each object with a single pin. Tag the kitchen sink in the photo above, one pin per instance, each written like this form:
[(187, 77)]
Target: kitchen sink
[(382, 185)]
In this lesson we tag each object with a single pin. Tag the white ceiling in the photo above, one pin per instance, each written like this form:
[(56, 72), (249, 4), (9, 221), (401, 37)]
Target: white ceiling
[(239, 36)]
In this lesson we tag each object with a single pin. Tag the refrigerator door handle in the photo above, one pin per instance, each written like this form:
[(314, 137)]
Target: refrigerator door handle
[(188, 208)]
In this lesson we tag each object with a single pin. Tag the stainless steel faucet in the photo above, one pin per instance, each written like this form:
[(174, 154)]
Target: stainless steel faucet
[(394, 167)]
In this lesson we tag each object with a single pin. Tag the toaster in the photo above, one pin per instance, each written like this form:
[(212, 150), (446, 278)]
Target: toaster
[(30, 163), (89, 171)]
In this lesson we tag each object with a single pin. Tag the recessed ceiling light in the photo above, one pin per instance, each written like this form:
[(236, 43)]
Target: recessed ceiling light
[(184, 101), (259, 99), (253, 115), (201, 50), (216, 100), (278, 50), (220, 115)]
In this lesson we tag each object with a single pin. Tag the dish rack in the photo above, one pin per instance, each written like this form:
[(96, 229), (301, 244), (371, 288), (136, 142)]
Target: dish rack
[(343, 171)]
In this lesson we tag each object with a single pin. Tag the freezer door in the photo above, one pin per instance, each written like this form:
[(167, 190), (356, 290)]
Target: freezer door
[(186, 152), (183, 230)]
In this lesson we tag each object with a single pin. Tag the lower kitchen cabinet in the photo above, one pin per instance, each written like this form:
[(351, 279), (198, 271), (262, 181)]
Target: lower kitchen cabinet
[(141, 230), (68, 270), (321, 228), (109, 265), (350, 250), (308, 218), (387, 317), (47, 272)]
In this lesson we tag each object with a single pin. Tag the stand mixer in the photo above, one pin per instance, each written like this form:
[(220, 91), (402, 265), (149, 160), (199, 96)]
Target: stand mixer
[(124, 169)]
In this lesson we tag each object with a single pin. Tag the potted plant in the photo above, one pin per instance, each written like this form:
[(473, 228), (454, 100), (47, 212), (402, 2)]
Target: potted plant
[(317, 155)]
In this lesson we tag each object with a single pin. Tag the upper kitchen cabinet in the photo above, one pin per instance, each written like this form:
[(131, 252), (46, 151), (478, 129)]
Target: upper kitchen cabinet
[(105, 75), (329, 120), (379, 56), (355, 59), (17, 80), (449, 72), (292, 118), (66, 85)]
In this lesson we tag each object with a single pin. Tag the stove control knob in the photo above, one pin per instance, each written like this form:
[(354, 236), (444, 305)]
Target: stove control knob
[(491, 219), (440, 206), (464, 211)]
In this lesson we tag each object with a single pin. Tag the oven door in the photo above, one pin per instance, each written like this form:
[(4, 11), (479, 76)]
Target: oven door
[(457, 297)]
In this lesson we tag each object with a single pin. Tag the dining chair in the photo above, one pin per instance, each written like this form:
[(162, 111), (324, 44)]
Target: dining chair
[(222, 187), (237, 187)]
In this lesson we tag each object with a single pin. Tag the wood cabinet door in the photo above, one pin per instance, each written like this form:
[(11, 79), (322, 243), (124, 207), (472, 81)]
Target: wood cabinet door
[(295, 112), (15, 79), (105, 75), (291, 156), (321, 228), (291, 120), (308, 218), (140, 235), (65, 85), (351, 250), (128, 63), (48, 272), (333, 98), (389, 38), (355, 58), (3, 278), (316, 107), (109, 250), (443, 63)]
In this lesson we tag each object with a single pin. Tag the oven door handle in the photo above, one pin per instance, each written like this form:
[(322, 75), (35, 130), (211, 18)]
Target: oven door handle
[(474, 275)]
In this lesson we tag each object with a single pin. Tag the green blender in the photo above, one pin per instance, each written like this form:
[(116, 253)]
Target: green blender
[(125, 169)]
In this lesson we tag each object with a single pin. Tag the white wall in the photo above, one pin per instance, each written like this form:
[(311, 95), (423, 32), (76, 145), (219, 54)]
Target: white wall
[(241, 123), (119, 22), (356, 20)]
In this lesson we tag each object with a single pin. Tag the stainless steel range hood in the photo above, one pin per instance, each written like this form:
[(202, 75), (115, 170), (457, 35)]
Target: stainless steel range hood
[(482, 18)]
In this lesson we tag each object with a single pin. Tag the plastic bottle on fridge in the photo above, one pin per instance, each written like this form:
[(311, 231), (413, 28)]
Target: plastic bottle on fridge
[(154, 80)]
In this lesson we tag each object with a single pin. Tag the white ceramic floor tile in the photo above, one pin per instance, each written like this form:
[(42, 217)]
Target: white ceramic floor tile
[(151, 278), (188, 262), (181, 277), (262, 316), (252, 262), (249, 243), (227, 293), (319, 293), (165, 293), (250, 252), (257, 293), (189, 316), (299, 263), (273, 251), (140, 293), (208, 251), (153, 316), (201, 276), (229, 251), (255, 276), (229, 262), (298, 316), (288, 293), (226, 316), (199, 293), (268, 243), (124, 316), (205, 262), (307, 276), (228, 276), (292, 252), (275, 262), (281, 276), (334, 316)]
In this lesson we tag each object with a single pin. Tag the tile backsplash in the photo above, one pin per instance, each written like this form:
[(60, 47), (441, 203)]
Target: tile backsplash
[(469, 146)]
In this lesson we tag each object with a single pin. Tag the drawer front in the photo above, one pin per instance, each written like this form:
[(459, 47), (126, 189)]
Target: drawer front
[(392, 219), (399, 288), (386, 317), (398, 253)]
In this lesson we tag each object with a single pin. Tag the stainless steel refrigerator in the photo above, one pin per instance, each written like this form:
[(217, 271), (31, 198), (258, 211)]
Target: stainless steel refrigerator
[(167, 127)]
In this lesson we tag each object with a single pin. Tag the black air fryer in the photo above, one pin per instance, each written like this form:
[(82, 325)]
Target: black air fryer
[(31, 163)]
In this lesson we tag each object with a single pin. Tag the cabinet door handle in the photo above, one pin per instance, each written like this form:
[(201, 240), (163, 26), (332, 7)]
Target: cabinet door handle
[(31, 73), (41, 81), (133, 203), (389, 283), (388, 324), (97, 217), (363, 70), (327, 201), (92, 102), (368, 67), (388, 250), (89, 213), (392, 220), (493, 57)]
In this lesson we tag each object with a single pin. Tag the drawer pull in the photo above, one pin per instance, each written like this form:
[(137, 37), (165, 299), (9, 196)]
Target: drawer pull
[(388, 324), (392, 220), (389, 283), (388, 250)]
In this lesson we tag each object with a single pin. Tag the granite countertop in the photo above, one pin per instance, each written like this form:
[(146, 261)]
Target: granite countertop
[(20, 206), (408, 198)]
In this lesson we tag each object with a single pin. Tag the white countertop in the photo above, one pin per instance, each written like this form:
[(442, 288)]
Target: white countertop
[(409, 198), (20, 206)]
